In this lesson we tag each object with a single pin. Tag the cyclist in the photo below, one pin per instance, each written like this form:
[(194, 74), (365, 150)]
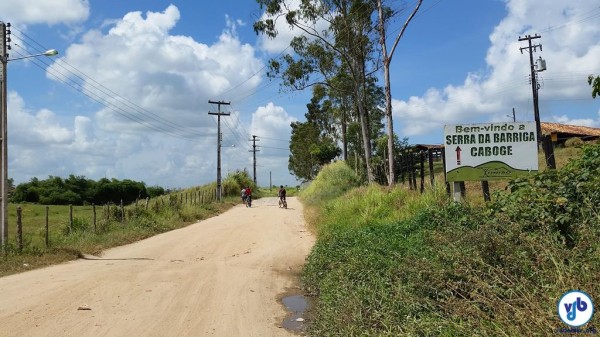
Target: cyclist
[(244, 195), (248, 196), (282, 193)]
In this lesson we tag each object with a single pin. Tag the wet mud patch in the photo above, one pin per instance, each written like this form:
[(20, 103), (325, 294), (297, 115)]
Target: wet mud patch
[(298, 307)]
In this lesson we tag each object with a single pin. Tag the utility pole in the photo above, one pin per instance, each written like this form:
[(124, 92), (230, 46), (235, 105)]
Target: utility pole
[(4, 47), (534, 84), (514, 116), (219, 139), (254, 150), (531, 48)]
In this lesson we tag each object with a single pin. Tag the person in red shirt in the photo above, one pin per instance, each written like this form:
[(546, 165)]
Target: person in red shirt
[(248, 196)]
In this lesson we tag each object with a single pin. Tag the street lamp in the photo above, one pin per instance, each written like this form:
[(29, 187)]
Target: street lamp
[(4, 47), (49, 52)]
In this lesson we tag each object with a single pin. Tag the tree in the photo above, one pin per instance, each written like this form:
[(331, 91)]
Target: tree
[(595, 83), (309, 150), (344, 45), (384, 15)]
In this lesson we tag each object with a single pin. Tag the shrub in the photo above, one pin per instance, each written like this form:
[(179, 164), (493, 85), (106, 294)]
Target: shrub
[(449, 269), (574, 142)]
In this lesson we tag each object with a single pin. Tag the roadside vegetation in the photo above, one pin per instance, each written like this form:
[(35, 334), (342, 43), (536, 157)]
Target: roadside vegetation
[(393, 262), (115, 226)]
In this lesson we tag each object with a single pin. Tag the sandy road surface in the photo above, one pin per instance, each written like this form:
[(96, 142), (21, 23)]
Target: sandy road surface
[(219, 277)]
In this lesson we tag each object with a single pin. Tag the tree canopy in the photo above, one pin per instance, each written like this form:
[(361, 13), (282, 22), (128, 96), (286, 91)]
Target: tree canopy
[(595, 83), (78, 190), (337, 53)]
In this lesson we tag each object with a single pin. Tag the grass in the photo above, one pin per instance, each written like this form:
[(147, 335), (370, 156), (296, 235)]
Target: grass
[(71, 242), (390, 262)]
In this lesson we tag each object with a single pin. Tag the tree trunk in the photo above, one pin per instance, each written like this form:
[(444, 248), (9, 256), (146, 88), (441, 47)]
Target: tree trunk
[(387, 59), (364, 127)]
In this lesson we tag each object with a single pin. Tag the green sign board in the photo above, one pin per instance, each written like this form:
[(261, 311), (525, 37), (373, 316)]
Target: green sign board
[(492, 151)]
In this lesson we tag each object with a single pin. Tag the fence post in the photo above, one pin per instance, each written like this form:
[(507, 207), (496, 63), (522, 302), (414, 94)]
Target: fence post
[(430, 158), (122, 212), (413, 170), (147, 201), (402, 165), (422, 169), (548, 148), (70, 219), (485, 186), (19, 229), (94, 218), (444, 165), (47, 228)]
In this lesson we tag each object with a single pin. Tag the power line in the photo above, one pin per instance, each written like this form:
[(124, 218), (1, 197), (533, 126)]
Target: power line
[(106, 97)]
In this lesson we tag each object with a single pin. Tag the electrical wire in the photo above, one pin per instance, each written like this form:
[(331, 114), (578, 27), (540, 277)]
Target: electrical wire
[(73, 77)]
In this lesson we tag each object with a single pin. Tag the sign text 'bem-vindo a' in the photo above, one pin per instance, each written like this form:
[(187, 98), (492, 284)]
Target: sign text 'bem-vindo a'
[(492, 151)]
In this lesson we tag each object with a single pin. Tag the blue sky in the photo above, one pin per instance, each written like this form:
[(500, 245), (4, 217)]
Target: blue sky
[(127, 97)]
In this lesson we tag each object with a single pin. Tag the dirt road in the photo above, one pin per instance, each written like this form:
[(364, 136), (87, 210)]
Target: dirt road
[(220, 277)]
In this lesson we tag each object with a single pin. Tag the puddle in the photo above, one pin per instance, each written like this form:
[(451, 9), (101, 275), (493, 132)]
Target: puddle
[(297, 305)]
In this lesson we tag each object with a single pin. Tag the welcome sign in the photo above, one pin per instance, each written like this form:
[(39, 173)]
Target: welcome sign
[(492, 151)]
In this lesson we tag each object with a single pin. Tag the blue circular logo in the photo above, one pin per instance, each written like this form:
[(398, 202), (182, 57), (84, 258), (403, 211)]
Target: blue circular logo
[(575, 308)]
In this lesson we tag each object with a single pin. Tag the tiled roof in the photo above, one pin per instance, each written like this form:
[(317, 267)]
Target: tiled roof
[(548, 128)]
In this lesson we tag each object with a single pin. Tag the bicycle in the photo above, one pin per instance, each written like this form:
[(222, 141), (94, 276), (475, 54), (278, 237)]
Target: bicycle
[(248, 201), (282, 202)]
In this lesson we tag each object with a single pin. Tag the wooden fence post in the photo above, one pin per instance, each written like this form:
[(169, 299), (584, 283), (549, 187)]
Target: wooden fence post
[(402, 166), (413, 170), (430, 158), (94, 217), (485, 186), (444, 165), (548, 148), (47, 228), (147, 201), (422, 169), (19, 229), (70, 219), (122, 212)]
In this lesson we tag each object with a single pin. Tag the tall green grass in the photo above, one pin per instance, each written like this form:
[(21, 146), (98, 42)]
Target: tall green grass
[(392, 262)]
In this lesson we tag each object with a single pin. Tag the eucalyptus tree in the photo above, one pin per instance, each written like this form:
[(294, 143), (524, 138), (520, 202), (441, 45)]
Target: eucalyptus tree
[(385, 14), (320, 54)]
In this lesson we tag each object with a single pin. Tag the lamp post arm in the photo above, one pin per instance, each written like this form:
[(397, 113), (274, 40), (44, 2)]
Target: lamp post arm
[(50, 52)]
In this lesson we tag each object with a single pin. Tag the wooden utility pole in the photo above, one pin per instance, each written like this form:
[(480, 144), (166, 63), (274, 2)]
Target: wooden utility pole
[(219, 139), (548, 152), (3, 134), (254, 150), (534, 85)]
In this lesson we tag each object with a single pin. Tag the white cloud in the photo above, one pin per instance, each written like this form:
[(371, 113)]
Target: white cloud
[(571, 48), (35, 129), (272, 124), (44, 11), (155, 127), (168, 77)]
